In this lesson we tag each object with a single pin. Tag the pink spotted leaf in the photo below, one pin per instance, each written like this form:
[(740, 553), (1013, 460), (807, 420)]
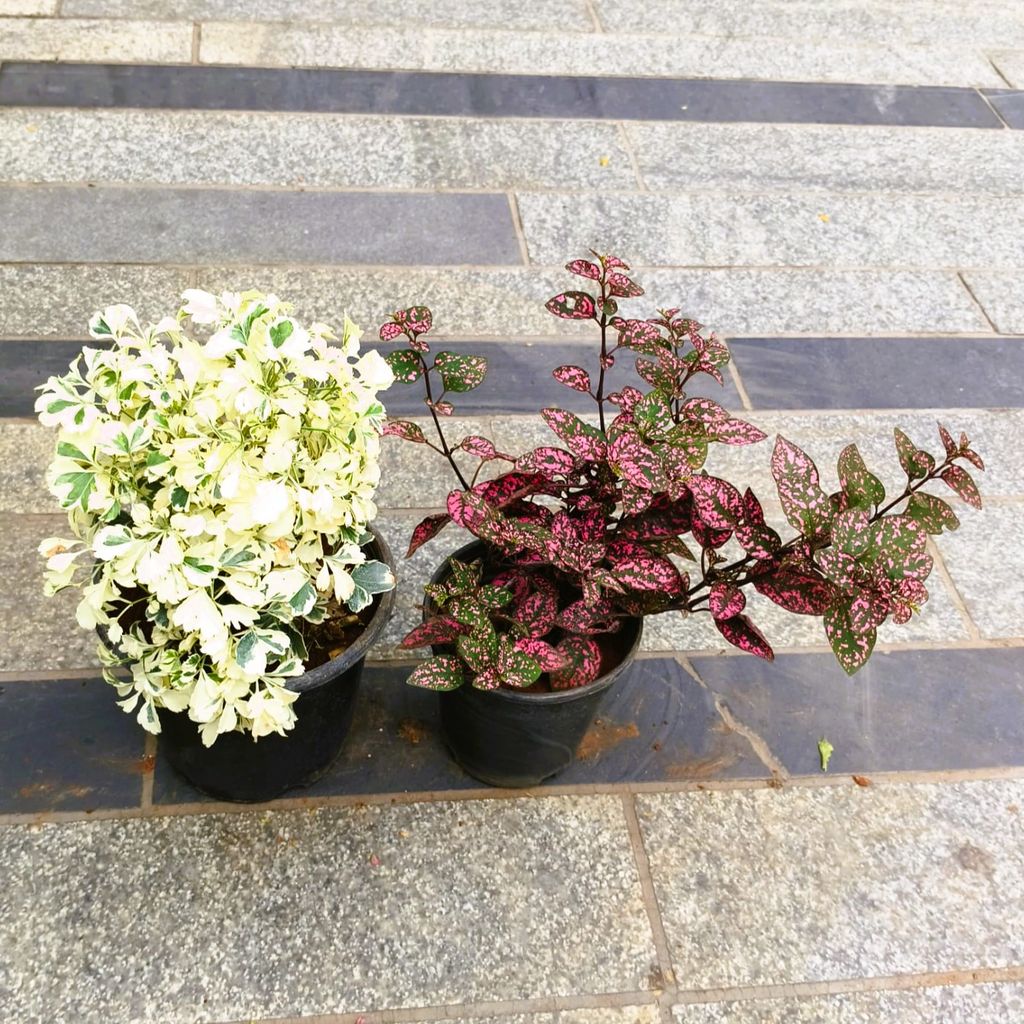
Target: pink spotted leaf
[(718, 503), (572, 306), (405, 365), (584, 268), (960, 481), (742, 633), (574, 377), (805, 504), (725, 601), (803, 593), (426, 530), (441, 673), (851, 648), (460, 372), (584, 441), (583, 663), (404, 429)]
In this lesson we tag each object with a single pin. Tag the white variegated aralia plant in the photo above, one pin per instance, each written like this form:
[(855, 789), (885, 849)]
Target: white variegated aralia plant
[(218, 489)]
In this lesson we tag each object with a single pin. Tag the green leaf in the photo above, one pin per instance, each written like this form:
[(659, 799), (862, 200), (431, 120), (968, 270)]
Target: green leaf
[(82, 485), (933, 514), (156, 459), (69, 451), (463, 576), (374, 577), (179, 498), (915, 462), (825, 750), (441, 673), (460, 373), (479, 649), (246, 648), (281, 332), (516, 667), (239, 557), (851, 648), (303, 599), (861, 487), (405, 365), (59, 405)]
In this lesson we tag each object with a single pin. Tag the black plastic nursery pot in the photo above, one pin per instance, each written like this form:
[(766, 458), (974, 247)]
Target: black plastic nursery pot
[(240, 769), (515, 738)]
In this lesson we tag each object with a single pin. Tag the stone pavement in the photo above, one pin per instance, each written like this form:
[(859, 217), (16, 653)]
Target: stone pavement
[(834, 185)]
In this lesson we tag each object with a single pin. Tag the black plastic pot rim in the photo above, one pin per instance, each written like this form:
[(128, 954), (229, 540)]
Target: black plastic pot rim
[(330, 669), (522, 696)]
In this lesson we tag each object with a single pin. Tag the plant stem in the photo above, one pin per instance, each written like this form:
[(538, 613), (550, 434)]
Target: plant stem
[(604, 350), (445, 450)]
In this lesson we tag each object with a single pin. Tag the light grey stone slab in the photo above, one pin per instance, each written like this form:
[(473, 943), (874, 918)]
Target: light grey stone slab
[(40, 633), (994, 433), (560, 53), (157, 42), (1010, 65), (31, 8), (319, 911), (827, 158), (985, 562), (908, 23), (1002, 297), (56, 301), (775, 887), (781, 229), (308, 150), (175, 225), (978, 1004), (25, 451), (567, 15)]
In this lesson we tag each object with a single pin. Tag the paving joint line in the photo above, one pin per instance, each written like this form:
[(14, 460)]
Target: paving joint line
[(883, 983), (741, 388), (149, 771), (999, 71), (517, 227), (977, 302), (939, 566), (595, 17), (995, 110), (484, 1008), (549, 792), (664, 979), (627, 144), (197, 32)]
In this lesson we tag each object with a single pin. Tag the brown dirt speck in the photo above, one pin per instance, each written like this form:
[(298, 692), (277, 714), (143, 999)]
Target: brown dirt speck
[(411, 731), (602, 736), (861, 780)]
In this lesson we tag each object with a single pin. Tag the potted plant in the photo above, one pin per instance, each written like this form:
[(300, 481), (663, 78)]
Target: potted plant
[(618, 518), (219, 490)]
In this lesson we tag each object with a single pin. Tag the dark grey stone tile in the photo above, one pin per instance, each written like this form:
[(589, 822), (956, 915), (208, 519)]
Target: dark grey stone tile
[(904, 711), (519, 377), (1009, 103), (657, 724), (880, 373), (390, 92), (519, 380), (66, 746), (180, 225)]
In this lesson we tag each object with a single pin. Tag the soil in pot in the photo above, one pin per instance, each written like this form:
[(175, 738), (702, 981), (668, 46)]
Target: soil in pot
[(518, 738)]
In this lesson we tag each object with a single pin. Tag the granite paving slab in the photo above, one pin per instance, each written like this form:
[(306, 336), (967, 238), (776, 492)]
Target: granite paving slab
[(987, 567), (903, 711), (979, 1004), (555, 53), (171, 225), (782, 229), (61, 749), (818, 884), (343, 910), (44, 39), (490, 95), (519, 377), (908, 23), (40, 633), (825, 158), (994, 433), (25, 450), (34, 8), (305, 151), (1001, 296), (540, 15), (881, 373), (57, 300), (1010, 64)]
